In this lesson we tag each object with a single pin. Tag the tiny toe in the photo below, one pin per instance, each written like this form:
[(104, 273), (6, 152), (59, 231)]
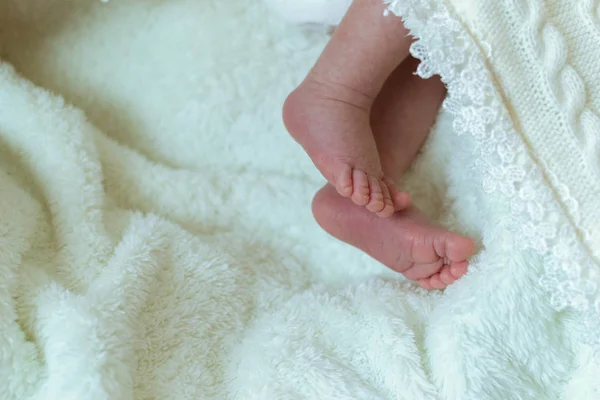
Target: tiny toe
[(343, 183), (459, 248), (361, 193), (425, 284), (388, 209), (376, 200), (436, 282), (459, 269), (446, 276), (400, 200)]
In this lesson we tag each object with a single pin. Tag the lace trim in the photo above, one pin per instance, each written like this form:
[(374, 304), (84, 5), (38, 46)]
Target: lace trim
[(533, 216)]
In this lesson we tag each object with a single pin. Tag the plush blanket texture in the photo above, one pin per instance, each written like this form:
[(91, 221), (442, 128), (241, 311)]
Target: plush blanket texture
[(156, 240)]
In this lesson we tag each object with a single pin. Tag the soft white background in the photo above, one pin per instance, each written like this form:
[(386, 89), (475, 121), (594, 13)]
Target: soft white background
[(225, 287)]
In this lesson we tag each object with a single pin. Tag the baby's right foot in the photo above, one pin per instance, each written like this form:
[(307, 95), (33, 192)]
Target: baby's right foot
[(407, 242), (332, 123)]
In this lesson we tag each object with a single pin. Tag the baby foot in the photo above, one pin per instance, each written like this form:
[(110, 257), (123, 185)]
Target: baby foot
[(332, 123), (407, 242)]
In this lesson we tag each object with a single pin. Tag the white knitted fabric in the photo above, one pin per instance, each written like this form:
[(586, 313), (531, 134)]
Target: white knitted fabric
[(156, 240)]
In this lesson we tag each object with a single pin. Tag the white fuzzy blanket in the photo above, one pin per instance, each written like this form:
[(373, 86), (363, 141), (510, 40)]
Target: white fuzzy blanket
[(156, 240)]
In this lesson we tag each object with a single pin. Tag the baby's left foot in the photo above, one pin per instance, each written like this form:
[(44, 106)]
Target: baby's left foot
[(329, 113), (331, 122)]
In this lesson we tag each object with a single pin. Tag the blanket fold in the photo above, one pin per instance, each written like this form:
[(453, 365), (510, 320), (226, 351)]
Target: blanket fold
[(156, 240)]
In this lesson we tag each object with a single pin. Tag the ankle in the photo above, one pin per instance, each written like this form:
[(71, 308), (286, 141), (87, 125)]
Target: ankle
[(330, 88)]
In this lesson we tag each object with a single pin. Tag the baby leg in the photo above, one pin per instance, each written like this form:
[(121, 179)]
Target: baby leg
[(328, 114)]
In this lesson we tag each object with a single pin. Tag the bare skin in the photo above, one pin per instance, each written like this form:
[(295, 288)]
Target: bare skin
[(328, 114), (401, 116)]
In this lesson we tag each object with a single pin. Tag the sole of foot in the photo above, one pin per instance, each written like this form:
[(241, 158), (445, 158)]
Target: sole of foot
[(407, 242)]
